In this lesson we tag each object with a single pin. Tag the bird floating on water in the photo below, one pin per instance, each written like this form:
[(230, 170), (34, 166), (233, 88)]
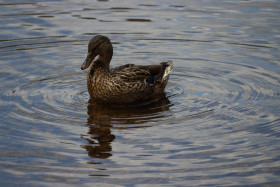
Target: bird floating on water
[(123, 84)]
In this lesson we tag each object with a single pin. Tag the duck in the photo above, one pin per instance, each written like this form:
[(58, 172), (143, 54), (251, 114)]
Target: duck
[(127, 83)]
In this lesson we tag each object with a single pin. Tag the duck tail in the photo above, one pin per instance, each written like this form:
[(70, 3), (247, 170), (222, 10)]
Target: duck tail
[(167, 68)]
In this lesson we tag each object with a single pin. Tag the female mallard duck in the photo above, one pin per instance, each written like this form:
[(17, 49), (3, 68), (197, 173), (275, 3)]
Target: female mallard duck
[(123, 84)]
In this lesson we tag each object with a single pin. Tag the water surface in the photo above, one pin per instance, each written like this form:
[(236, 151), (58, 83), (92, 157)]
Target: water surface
[(218, 123)]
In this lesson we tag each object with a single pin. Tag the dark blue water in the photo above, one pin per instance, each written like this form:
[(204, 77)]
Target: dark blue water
[(219, 123)]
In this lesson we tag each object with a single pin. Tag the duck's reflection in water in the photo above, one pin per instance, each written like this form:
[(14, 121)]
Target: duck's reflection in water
[(104, 117)]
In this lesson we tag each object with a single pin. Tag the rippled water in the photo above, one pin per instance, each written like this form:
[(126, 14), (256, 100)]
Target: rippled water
[(219, 123)]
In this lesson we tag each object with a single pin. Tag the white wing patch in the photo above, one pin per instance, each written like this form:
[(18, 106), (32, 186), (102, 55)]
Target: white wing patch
[(168, 69)]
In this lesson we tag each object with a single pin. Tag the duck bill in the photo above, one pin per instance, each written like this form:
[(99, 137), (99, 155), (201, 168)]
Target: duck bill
[(87, 62)]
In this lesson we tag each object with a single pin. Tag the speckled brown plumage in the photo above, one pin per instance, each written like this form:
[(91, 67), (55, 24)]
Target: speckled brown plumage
[(123, 84)]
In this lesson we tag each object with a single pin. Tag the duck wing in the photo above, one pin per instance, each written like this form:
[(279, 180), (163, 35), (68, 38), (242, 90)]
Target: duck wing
[(147, 73), (131, 73)]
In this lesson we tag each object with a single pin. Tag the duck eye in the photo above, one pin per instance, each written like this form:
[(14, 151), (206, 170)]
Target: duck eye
[(89, 54)]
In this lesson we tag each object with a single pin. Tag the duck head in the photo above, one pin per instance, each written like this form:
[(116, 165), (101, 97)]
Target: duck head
[(99, 46)]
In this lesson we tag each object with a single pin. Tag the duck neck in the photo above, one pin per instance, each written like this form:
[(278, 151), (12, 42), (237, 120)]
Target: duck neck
[(105, 60), (106, 55)]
